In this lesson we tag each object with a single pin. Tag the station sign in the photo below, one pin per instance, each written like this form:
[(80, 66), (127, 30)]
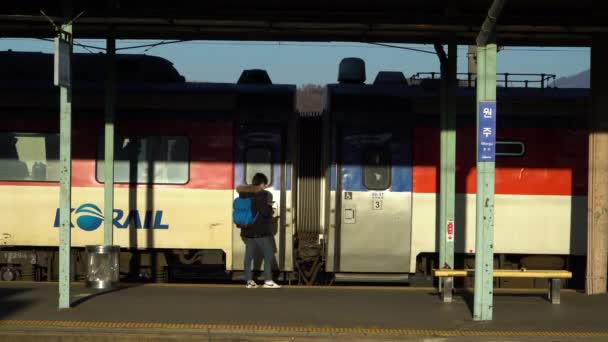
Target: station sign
[(486, 137), (63, 60)]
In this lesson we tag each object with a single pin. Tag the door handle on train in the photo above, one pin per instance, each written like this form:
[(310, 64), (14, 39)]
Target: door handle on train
[(213, 225)]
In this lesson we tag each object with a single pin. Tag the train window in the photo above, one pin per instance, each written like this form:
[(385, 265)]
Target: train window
[(377, 169), (29, 157), (510, 148), (147, 160), (258, 160)]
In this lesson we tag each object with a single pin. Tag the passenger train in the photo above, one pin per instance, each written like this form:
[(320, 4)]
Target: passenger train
[(355, 186)]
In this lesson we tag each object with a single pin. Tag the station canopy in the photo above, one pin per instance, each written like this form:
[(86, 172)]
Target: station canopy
[(522, 22)]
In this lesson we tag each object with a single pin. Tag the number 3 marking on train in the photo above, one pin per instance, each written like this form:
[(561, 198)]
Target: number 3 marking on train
[(377, 204)]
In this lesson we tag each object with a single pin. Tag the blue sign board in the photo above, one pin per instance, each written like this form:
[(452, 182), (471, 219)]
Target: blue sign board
[(486, 141)]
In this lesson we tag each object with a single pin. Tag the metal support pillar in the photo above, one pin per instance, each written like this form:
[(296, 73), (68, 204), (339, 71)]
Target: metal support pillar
[(65, 168), (555, 290), (597, 214), (447, 190), (108, 198), (486, 152), (486, 138)]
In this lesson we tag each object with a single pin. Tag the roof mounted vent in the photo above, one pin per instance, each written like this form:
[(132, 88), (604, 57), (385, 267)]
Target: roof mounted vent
[(254, 76), (352, 70), (390, 78)]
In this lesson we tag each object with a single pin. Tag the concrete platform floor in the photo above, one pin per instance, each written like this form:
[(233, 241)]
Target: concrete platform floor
[(28, 311)]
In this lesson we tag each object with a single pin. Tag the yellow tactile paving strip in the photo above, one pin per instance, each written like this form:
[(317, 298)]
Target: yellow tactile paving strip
[(267, 329)]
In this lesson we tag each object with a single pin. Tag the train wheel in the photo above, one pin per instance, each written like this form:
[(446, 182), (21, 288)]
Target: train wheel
[(9, 274)]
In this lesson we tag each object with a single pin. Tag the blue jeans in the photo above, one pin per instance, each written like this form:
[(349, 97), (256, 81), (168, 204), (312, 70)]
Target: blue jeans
[(265, 244)]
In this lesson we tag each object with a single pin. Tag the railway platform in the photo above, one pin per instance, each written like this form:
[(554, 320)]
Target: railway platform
[(155, 312)]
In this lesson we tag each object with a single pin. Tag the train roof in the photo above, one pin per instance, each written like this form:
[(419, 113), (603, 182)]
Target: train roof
[(152, 84), (87, 68), (134, 72), (382, 92), (276, 89), (392, 95), (339, 89), (366, 102)]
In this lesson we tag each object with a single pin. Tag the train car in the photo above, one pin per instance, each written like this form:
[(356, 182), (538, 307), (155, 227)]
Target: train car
[(181, 150), (380, 204), (355, 187)]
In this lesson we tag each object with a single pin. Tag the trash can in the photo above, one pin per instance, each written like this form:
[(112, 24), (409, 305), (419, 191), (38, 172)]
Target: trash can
[(103, 266)]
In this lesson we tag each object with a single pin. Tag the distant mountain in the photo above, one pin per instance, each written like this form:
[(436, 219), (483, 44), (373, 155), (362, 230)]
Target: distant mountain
[(580, 80)]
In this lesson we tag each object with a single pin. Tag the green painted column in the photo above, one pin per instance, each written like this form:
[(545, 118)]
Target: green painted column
[(447, 191), (65, 169), (108, 198), (486, 137)]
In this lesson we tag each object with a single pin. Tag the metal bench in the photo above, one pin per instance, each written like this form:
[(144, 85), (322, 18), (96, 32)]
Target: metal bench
[(555, 279)]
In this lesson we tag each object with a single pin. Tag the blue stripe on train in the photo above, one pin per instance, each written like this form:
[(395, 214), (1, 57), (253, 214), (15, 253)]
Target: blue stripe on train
[(354, 142)]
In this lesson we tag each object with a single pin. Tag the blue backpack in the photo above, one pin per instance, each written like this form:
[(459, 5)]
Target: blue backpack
[(242, 213)]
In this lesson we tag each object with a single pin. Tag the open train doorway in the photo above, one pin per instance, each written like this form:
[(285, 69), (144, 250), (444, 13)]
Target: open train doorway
[(263, 144)]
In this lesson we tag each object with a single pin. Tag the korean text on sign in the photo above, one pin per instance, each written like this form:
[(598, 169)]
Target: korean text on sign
[(486, 148)]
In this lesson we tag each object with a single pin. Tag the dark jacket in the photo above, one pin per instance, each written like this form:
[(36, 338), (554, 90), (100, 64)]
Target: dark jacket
[(262, 204)]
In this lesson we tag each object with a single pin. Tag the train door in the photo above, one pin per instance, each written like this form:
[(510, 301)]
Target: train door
[(262, 148), (374, 200)]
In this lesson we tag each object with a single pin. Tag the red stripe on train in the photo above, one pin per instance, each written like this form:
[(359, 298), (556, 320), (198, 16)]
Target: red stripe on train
[(211, 150), (555, 162)]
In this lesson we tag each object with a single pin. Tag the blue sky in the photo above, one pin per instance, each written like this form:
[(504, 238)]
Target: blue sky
[(301, 63)]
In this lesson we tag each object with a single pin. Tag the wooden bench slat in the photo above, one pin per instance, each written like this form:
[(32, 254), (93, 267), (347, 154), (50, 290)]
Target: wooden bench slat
[(451, 273), (549, 274), (533, 274)]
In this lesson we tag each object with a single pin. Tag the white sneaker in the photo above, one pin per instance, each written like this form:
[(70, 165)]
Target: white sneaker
[(251, 284), (269, 284)]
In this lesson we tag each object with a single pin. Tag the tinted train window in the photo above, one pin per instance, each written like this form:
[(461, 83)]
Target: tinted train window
[(29, 157), (258, 160), (152, 160), (376, 169), (510, 148)]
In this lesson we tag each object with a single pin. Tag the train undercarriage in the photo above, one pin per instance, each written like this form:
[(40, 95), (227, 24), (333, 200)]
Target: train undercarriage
[(178, 266)]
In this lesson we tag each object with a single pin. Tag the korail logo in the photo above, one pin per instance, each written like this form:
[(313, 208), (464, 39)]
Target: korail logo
[(89, 218)]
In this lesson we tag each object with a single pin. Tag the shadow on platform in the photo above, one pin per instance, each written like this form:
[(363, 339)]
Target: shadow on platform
[(9, 304)]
